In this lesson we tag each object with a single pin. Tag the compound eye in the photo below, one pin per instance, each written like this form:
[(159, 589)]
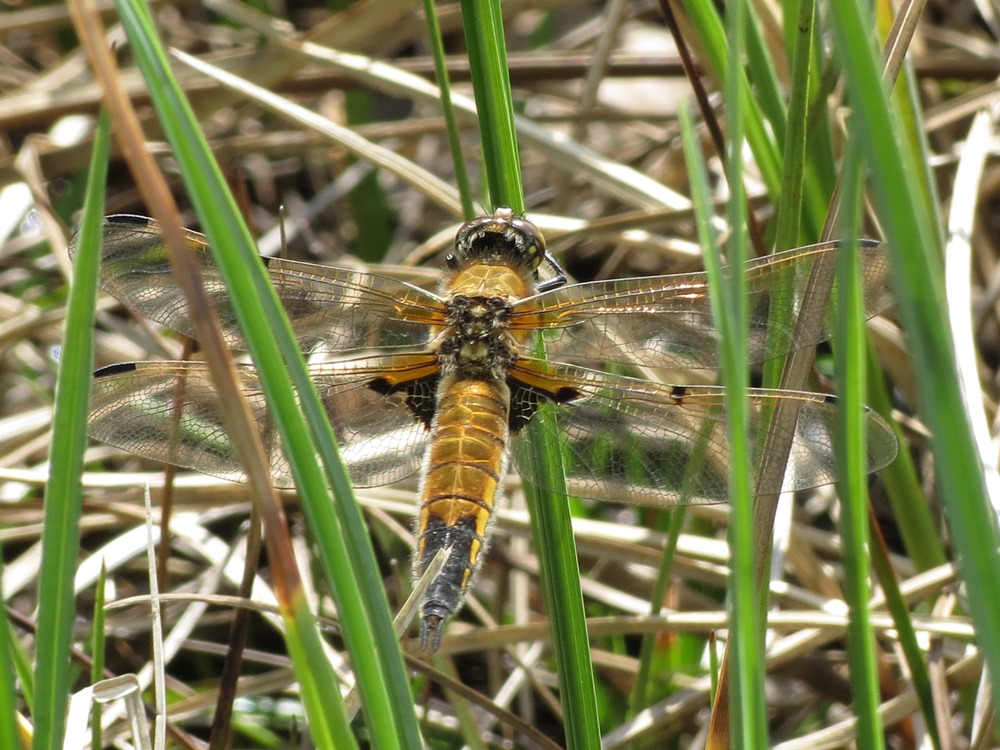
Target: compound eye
[(531, 241), (512, 237), (531, 233)]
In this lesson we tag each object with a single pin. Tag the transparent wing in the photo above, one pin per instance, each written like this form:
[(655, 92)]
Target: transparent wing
[(169, 412), (339, 309), (628, 440), (666, 321)]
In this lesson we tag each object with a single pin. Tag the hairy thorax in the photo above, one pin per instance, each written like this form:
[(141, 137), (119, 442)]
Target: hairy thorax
[(477, 342)]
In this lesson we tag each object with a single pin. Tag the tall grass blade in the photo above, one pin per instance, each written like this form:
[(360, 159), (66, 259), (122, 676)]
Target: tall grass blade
[(550, 516), (448, 109), (919, 290), (744, 639), (851, 454), (63, 497), (347, 557), (8, 694)]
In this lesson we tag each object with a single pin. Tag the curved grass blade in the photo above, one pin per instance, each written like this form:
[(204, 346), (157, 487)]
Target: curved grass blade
[(365, 618), (919, 291)]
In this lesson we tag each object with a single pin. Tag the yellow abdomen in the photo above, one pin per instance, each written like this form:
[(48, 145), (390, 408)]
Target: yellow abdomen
[(463, 471)]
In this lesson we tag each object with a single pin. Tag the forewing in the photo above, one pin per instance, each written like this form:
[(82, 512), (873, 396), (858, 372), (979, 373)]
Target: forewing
[(169, 412), (338, 309), (634, 441), (666, 321)]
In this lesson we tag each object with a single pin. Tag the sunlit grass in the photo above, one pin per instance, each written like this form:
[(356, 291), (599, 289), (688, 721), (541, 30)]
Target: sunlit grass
[(626, 173)]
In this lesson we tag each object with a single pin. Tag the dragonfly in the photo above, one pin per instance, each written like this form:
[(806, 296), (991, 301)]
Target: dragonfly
[(445, 382)]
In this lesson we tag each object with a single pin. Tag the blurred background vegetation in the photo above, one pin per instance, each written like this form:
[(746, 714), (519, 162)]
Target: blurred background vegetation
[(597, 87)]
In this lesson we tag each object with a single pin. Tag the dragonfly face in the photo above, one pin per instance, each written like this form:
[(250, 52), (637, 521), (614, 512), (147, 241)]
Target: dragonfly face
[(445, 382)]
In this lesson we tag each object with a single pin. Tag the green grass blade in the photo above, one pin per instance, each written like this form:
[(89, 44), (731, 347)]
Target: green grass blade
[(97, 652), (790, 209), (730, 311), (725, 288), (61, 533), (716, 43), (23, 670), (917, 525), (560, 576), (643, 678), (8, 694), (789, 217), (767, 87), (919, 290), (483, 23), (916, 659), (448, 109), (347, 558), (851, 454), (550, 516)]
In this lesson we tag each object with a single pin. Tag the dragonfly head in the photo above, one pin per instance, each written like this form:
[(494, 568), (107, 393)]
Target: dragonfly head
[(499, 239)]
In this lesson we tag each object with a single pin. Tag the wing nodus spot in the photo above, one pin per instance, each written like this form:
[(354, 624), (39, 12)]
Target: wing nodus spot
[(566, 394), (143, 221), (116, 369)]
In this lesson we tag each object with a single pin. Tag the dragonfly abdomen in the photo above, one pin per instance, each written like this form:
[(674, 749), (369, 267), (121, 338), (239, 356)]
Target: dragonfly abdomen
[(466, 463)]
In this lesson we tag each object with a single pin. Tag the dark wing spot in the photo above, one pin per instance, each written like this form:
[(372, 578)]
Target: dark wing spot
[(525, 400), (678, 392), (116, 369), (566, 394), (144, 221), (421, 395)]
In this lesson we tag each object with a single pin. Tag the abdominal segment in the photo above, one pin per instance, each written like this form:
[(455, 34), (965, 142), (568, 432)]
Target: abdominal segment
[(466, 463)]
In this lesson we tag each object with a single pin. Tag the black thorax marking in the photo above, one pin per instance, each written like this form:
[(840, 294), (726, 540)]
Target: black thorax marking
[(477, 343)]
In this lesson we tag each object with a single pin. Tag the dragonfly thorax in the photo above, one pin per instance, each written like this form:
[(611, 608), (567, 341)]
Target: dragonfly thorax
[(477, 342)]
